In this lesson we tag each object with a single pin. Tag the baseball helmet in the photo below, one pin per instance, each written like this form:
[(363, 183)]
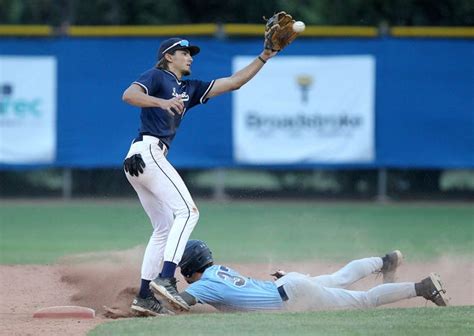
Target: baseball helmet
[(196, 255)]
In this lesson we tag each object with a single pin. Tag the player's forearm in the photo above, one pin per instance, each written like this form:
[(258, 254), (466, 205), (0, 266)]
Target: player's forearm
[(141, 99), (242, 76)]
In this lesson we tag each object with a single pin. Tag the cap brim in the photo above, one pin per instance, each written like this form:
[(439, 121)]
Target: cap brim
[(193, 50)]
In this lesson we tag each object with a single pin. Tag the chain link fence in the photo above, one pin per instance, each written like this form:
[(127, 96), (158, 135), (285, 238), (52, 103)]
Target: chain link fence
[(393, 184)]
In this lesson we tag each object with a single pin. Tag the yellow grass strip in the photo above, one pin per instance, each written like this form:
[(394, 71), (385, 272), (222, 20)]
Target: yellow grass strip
[(25, 30), (168, 30), (458, 32), (311, 31)]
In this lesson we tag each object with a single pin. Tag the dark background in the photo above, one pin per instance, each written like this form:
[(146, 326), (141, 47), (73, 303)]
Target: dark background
[(313, 12)]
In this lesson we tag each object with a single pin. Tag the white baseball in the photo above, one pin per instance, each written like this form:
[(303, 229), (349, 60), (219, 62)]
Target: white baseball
[(299, 26)]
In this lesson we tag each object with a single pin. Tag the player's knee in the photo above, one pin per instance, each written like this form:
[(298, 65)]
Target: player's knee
[(190, 212), (371, 299), (342, 279), (194, 214)]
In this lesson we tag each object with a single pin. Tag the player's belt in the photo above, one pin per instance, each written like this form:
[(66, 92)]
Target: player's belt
[(160, 143), (163, 147), (282, 293)]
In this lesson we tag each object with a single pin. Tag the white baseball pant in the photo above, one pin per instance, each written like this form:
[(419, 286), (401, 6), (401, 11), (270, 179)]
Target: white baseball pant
[(168, 204), (327, 292)]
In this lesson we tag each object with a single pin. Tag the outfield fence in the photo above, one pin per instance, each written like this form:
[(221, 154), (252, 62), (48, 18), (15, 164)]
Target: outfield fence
[(338, 98)]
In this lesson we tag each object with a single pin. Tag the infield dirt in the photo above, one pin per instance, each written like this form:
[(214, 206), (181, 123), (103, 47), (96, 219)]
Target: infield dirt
[(108, 279)]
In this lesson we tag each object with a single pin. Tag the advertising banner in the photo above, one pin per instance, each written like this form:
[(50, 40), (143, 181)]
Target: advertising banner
[(306, 109), (27, 109)]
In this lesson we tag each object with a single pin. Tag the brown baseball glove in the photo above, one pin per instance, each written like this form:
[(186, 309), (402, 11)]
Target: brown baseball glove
[(279, 31)]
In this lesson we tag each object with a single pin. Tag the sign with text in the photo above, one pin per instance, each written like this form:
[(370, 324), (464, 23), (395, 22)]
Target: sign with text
[(306, 109), (27, 109)]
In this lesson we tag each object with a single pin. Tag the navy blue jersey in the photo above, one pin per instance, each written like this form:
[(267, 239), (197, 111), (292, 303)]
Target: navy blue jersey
[(165, 85)]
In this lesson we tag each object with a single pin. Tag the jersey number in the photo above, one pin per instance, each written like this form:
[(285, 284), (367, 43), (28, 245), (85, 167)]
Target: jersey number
[(235, 279)]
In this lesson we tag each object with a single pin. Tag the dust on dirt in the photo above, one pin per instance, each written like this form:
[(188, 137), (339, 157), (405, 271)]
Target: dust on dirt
[(110, 279)]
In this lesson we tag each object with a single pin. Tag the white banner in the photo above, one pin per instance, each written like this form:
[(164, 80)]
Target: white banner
[(306, 109), (27, 109)]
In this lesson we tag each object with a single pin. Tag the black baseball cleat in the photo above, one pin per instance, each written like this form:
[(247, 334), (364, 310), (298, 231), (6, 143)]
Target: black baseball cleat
[(431, 288), (149, 306), (391, 261), (166, 289)]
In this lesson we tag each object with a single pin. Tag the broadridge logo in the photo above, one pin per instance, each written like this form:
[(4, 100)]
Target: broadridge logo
[(321, 124)]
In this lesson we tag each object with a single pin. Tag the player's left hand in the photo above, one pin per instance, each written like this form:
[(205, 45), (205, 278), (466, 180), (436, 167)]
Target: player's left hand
[(279, 32), (134, 165), (278, 274)]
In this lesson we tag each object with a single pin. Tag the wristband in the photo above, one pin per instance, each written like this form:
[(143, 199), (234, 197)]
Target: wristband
[(261, 59)]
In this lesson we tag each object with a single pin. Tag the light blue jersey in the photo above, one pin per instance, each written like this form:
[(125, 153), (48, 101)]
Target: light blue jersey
[(225, 289)]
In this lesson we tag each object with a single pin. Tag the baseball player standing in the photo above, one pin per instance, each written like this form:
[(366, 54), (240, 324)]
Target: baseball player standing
[(164, 98)]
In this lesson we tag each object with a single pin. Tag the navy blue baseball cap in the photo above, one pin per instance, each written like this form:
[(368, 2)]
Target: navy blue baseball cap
[(176, 43)]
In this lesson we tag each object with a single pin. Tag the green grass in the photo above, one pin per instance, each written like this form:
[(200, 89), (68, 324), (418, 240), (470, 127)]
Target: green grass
[(294, 231), (259, 231), (242, 231), (44, 232), (387, 322)]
